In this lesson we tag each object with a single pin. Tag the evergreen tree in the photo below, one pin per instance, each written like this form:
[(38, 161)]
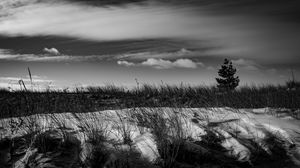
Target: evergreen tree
[(227, 81)]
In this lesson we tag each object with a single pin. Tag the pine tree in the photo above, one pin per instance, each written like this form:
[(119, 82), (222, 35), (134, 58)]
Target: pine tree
[(227, 81)]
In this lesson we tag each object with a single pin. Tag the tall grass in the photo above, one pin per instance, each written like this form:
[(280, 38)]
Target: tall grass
[(112, 97), (91, 99)]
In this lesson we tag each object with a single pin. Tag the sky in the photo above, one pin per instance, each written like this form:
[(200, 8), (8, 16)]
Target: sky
[(73, 43)]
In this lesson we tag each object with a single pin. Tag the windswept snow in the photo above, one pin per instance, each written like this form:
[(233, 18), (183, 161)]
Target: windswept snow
[(189, 123)]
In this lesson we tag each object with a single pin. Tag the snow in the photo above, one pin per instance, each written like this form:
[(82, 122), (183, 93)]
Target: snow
[(234, 147), (193, 122), (146, 145)]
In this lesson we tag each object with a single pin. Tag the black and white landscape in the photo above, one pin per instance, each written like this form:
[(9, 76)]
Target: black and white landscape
[(149, 83)]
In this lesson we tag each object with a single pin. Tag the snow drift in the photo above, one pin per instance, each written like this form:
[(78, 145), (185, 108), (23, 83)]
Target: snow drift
[(199, 136)]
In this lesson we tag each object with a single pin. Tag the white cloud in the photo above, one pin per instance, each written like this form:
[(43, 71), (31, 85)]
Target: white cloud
[(77, 20), (164, 55), (164, 64), (232, 34), (235, 35), (246, 64), (125, 63), (52, 51), (158, 63), (187, 63), (160, 59)]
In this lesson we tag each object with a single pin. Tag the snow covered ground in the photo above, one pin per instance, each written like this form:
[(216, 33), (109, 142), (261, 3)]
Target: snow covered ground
[(139, 129)]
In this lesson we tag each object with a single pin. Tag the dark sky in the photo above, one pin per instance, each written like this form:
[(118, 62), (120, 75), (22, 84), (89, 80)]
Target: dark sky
[(95, 42)]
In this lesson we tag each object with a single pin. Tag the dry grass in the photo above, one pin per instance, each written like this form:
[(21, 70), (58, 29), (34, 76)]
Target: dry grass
[(20, 103), (52, 148)]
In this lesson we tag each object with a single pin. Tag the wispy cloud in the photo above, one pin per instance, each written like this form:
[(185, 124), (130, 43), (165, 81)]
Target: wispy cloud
[(52, 55), (4, 51), (38, 82), (35, 58), (181, 53), (237, 35), (247, 64), (77, 20), (164, 64), (35, 78)]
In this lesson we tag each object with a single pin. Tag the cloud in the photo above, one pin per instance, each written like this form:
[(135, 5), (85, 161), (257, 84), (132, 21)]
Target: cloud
[(7, 55), (81, 21), (4, 51), (187, 63), (181, 57), (243, 62), (163, 55), (158, 63), (247, 64), (53, 51), (234, 34), (183, 51), (164, 64), (154, 59), (37, 58), (35, 78), (39, 82), (125, 63)]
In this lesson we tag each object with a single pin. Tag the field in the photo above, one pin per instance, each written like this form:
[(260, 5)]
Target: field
[(151, 126), (89, 99)]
